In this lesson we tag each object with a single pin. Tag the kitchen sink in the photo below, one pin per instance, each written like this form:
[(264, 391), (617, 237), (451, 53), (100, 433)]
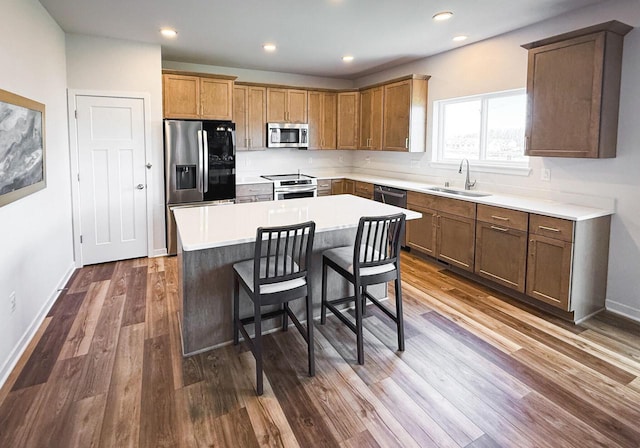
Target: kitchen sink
[(470, 194)]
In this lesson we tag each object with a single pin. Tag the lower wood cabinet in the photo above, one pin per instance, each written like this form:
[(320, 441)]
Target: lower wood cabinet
[(549, 270), (455, 240), (421, 233), (254, 192), (501, 246), (364, 190), (349, 186)]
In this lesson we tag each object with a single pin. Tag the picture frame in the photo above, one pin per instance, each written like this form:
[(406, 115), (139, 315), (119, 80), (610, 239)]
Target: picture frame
[(22, 147)]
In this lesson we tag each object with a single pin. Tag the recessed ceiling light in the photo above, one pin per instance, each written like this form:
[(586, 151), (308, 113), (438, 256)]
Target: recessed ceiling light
[(269, 47), (459, 38), (347, 58), (168, 32), (444, 15)]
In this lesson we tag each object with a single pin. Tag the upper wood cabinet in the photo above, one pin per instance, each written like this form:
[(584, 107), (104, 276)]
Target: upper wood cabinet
[(404, 115), (371, 105), (573, 90), (322, 113), (348, 108), (250, 117), (192, 96), (286, 105)]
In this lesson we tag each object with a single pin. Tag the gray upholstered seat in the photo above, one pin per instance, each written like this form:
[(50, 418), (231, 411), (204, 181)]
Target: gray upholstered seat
[(245, 270), (343, 257)]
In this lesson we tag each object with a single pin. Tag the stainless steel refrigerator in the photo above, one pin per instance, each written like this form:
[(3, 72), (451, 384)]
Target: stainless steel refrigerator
[(200, 164)]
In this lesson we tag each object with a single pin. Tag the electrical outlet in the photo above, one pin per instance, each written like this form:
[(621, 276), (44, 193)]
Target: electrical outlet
[(367, 160), (310, 160), (415, 164), (12, 301), (341, 159), (545, 174)]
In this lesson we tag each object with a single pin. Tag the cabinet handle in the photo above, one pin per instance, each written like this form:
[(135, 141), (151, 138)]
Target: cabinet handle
[(501, 229), (532, 252), (500, 218), (406, 143), (550, 229)]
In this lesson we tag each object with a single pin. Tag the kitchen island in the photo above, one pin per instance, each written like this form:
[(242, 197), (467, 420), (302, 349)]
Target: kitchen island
[(212, 238)]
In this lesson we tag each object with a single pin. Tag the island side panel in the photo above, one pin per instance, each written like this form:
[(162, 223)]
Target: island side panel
[(207, 290)]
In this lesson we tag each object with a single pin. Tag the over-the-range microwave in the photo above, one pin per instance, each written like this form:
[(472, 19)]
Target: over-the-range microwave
[(287, 135)]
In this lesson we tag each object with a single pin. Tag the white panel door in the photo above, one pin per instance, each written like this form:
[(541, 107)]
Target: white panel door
[(111, 159)]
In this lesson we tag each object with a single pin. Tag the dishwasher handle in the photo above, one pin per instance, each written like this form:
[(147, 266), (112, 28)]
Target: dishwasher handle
[(391, 193)]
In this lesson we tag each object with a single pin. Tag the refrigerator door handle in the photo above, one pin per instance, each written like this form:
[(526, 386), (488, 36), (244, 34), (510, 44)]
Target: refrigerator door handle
[(200, 163), (233, 141), (205, 180)]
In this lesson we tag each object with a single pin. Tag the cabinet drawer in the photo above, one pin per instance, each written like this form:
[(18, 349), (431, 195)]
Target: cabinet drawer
[(503, 217), (561, 229), (254, 190), (421, 200), (456, 207), (364, 189)]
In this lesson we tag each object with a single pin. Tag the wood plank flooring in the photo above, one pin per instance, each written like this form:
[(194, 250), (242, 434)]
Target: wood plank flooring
[(479, 370)]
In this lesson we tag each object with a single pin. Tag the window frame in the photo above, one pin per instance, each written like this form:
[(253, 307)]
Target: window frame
[(518, 167)]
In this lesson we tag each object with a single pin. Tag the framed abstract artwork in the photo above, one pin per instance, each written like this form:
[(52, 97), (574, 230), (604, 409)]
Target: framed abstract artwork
[(22, 147)]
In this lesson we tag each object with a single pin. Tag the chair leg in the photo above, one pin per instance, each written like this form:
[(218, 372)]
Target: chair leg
[(285, 316), (359, 338), (236, 310), (323, 305), (312, 361), (399, 317), (257, 347), (364, 300)]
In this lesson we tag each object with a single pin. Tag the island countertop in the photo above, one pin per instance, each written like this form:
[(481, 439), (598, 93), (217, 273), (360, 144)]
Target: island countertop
[(224, 225)]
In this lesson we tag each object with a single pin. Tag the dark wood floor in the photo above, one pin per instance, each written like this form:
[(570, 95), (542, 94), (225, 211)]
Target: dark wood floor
[(105, 370)]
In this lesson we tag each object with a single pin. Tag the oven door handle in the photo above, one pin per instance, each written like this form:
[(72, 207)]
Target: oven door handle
[(305, 190)]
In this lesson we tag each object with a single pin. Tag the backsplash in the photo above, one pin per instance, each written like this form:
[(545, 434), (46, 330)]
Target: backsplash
[(284, 161)]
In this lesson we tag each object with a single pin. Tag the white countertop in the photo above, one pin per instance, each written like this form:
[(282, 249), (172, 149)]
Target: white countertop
[(224, 225)]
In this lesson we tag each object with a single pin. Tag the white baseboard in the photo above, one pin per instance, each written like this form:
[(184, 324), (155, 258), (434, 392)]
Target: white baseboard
[(24, 341), (158, 253), (623, 310)]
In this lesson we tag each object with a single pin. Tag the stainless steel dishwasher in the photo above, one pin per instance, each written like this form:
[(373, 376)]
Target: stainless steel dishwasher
[(391, 196)]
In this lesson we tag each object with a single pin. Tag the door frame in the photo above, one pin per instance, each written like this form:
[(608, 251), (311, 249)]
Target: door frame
[(74, 158)]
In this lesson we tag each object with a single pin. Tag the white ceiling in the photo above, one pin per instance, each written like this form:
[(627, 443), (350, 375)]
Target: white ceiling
[(311, 35)]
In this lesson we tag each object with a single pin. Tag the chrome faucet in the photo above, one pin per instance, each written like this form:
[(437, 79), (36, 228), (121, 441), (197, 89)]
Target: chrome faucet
[(468, 185)]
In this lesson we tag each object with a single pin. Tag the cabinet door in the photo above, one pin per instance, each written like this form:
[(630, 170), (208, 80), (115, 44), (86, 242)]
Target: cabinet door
[(216, 99), (501, 255), (276, 105), (348, 120), (397, 105), (363, 189), (337, 186), (377, 96), (564, 85), (456, 236), (421, 233), (181, 96), (315, 120), (329, 120), (365, 118), (549, 270), (296, 106), (349, 186), (257, 117), (240, 116)]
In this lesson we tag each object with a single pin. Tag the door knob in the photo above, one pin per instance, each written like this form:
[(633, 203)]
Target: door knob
[(149, 166), (140, 187)]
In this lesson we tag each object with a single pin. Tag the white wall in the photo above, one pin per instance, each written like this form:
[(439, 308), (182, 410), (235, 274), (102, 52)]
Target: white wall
[(500, 64), (111, 65), (35, 232)]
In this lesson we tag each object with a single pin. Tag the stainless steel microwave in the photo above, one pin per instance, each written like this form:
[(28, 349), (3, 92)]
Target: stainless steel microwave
[(287, 135)]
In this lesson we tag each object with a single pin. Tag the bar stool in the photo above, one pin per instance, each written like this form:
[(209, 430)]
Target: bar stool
[(277, 274), (373, 259)]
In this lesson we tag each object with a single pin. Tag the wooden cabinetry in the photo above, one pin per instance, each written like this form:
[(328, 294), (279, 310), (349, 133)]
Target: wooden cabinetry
[(348, 108), (573, 89), (322, 113), (501, 246), (363, 189), (404, 115), (250, 116), (342, 186), (254, 192), (286, 105), (325, 187), (193, 96), (446, 230), (371, 118)]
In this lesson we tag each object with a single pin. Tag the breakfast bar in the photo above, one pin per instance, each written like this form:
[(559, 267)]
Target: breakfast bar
[(212, 238)]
